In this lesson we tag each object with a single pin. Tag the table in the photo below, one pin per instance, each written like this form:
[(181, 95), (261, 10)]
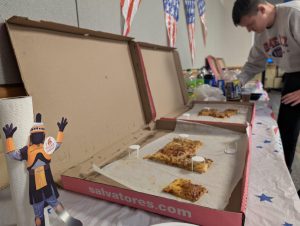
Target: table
[(272, 198)]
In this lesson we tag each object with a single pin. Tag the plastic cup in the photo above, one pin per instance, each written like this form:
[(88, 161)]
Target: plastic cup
[(196, 159), (183, 136), (133, 148), (186, 115), (231, 148), (246, 94)]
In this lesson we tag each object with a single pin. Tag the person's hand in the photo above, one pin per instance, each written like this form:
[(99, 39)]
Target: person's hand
[(292, 98), (62, 124), (9, 130)]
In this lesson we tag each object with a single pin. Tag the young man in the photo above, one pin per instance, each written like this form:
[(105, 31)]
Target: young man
[(277, 36)]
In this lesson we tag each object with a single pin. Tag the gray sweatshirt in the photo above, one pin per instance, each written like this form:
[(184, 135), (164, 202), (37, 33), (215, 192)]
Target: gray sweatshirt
[(281, 42)]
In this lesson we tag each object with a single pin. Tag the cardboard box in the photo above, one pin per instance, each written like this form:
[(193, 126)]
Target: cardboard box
[(246, 111), (159, 68), (271, 74), (90, 78), (92, 184), (278, 84), (72, 72), (166, 91), (159, 71)]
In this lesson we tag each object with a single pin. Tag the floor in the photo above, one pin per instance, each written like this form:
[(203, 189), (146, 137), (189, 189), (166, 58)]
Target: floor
[(275, 102)]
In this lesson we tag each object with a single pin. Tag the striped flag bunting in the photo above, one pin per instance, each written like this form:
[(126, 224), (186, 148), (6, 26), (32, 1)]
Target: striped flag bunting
[(171, 9), (201, 10), (129, 9), (189, 6)]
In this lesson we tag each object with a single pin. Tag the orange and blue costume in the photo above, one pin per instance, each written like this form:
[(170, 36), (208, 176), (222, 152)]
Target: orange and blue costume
[(42, 189)]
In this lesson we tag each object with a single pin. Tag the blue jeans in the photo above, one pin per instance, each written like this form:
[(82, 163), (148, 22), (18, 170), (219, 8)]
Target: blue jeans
[(38, 208)]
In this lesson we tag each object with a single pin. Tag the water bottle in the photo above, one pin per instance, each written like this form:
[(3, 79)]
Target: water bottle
[(200, 77)]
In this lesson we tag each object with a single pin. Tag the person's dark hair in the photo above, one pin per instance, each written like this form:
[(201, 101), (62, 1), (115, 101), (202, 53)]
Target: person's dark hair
[(243, 8)]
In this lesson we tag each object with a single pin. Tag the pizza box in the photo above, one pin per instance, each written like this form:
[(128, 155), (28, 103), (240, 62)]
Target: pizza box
[(239, 122), (159, 70), (83, 179), (72, 72)]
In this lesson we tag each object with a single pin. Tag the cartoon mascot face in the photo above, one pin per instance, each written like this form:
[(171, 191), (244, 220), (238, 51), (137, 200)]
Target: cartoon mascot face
[(37, 132)]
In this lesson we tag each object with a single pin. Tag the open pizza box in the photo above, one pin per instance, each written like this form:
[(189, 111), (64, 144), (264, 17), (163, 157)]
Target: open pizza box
[(160, 70), (90, 78)]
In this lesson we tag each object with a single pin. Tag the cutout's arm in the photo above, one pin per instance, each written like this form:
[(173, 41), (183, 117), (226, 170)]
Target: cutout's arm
[(60, 136)]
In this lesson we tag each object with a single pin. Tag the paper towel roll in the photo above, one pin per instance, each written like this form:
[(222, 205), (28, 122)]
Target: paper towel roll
[(19, 112)]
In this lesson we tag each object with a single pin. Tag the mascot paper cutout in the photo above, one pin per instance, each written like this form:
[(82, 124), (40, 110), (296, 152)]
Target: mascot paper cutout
[(37, 154)]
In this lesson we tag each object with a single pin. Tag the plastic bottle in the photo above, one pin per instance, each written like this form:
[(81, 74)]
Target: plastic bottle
[(200, 77), (191, 82), (209, 78)]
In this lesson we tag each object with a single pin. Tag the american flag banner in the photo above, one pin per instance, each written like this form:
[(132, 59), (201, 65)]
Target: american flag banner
[(171, 8), (129, 8), (189, 6), (201, 10)]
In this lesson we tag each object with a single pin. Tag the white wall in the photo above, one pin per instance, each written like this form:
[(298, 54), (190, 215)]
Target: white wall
[(51, 10), (214, 46), (149, 25), (237, 40), (224, 40)]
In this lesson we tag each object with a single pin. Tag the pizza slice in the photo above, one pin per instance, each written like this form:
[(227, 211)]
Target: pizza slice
[(180, 147), (179, 153), (185, 189), (218, 114), (177, 149), (230, 112), (207, 112)]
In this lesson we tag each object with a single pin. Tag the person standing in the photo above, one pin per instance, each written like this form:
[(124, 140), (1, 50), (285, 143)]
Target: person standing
[(277, 36)]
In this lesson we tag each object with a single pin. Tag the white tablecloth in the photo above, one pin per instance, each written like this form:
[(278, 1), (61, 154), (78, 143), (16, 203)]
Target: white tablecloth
[(272, 198)]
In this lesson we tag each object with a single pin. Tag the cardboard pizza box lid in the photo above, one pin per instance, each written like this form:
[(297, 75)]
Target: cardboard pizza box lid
[(160, 69), (90, 78), (86, 76)]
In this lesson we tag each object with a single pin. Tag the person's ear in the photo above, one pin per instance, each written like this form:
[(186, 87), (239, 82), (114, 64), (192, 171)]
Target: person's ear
[(261, 8)]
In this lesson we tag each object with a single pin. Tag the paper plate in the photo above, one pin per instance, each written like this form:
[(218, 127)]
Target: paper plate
[(49, 145)]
